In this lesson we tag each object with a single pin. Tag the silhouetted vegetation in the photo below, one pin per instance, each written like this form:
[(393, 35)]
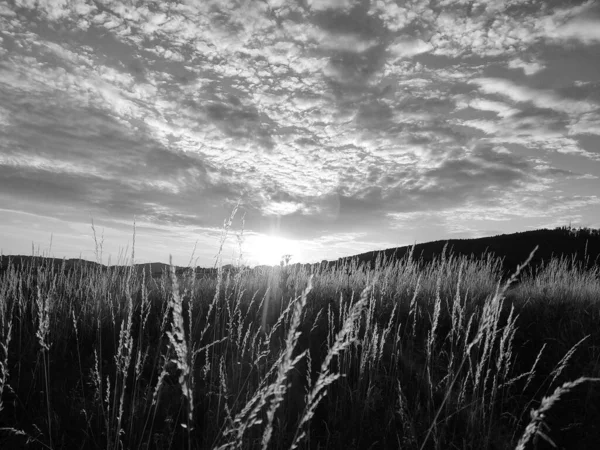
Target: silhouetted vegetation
[(411, 352)]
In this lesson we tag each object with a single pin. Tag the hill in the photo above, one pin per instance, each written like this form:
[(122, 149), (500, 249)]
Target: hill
[(582, 246)]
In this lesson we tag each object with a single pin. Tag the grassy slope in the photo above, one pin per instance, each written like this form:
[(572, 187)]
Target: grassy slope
[(430, 356)]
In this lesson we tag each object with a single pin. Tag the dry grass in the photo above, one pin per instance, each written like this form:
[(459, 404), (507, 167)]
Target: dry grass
[(428, 356), (538, 428)]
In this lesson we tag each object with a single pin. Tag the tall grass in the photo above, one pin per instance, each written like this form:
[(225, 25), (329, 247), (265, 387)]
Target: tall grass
[(401, 355)]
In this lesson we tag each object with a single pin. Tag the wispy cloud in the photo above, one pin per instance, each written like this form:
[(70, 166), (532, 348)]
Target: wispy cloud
[(543, 99), (529, 68)]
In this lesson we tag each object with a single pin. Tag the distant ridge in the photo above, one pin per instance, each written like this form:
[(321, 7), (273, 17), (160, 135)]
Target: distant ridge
[(18, 260), (582, 245), (154, 268)]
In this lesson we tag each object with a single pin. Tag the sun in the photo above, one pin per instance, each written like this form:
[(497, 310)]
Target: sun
[(262, 249)]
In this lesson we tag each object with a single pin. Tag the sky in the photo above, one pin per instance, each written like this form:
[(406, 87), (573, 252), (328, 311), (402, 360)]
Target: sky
[(336, 126)]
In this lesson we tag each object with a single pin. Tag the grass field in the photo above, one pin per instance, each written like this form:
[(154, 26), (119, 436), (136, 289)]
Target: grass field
[(443, 355)]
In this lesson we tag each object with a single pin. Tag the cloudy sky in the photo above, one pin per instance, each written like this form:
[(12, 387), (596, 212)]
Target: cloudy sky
[(340, 126)]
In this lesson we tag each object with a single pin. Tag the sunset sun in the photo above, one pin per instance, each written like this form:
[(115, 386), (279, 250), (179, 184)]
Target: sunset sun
[(269, 250)]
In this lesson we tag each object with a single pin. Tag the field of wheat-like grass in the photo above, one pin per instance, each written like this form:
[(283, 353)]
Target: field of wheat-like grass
[(443, 355)]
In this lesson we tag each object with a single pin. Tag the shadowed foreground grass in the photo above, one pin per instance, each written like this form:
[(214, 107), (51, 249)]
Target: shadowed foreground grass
[(443, 355)]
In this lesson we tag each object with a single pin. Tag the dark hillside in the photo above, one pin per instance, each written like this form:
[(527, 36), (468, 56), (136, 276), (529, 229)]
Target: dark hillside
[(23, 261), (581, 245)]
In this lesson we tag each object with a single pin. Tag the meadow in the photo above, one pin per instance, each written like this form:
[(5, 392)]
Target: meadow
[(444, 354)]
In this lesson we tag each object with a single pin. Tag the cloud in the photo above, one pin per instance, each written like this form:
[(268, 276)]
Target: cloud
[(529, 68), (502, 109), (540, 98), (497, 28), (586, 31), (537, 118), (109, 166), (532, 132), (405, 48), (322, 117), (586, 124), (325, 5), (397, 17)]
